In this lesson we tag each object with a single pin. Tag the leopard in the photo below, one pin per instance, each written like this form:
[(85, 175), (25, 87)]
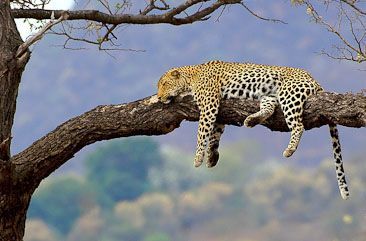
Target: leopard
[(273, 86)]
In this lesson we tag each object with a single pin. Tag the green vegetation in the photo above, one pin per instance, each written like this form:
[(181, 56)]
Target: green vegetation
[(61, 201), (135, 190), (114, 172), (119, 169)]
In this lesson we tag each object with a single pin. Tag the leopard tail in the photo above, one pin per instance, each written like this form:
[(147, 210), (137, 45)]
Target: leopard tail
[(341, 177)]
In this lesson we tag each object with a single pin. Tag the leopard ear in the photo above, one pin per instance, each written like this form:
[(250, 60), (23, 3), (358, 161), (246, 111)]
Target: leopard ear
[(175, 74)]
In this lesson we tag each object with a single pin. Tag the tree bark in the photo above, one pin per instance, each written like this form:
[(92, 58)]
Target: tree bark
[(14, 199), (148, 117), (170, 16)]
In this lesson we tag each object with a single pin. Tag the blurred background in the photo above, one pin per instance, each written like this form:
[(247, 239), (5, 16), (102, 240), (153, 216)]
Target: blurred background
[(145, 188)]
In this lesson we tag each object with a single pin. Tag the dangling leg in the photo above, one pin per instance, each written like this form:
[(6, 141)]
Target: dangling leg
[(213, 145), (209, 107), (205, 128), (296, 133), (292, 107), (267, 107)]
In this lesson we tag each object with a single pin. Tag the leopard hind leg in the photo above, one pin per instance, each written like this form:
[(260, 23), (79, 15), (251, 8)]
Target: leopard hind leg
[(213, 145), (267, 107), (292, 97)]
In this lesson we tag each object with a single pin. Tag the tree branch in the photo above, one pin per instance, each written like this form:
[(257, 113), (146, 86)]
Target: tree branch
[(148, 117), (5, 150), (100, 25), (350, 28), (37, 36), (352, 4), (260, 17), (170, 17)]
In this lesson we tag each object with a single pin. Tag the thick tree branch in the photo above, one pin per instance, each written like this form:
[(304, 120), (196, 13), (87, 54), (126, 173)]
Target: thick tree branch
[(148, 117), (170, 17), (100, 25)]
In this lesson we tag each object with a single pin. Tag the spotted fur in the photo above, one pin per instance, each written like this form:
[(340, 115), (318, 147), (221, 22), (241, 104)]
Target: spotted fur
[(272, 85)]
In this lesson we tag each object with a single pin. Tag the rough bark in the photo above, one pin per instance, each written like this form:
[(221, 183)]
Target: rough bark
[(10, 73), (14, 199), (148, 117), (171, 16)]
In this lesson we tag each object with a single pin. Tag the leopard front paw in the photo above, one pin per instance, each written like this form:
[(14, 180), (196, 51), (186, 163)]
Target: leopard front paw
[(288, 152), (198, 161)]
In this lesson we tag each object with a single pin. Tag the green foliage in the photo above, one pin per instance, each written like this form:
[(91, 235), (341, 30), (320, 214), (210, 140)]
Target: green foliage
[(237, 161), (241, 199), (176, 174), (157, 237), (60, 202), (88, 227), (115, 232), (119, 169)]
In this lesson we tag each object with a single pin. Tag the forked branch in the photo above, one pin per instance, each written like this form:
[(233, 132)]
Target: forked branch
[(100, 25), (170, 16), (37, 36), (349, 27)]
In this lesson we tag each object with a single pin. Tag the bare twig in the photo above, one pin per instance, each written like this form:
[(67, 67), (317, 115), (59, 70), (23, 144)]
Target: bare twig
[(100, 26), (23, 48), (353, 5), (349, 28), (151, 6), (261, 17), (27, 4)]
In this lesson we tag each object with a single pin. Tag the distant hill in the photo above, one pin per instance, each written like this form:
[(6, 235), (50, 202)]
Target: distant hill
[(59, 84)]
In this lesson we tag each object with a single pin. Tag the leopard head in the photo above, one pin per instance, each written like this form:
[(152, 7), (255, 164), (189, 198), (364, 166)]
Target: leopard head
[(170, 84)]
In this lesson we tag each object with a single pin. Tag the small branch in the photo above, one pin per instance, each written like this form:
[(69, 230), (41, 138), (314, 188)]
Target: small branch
[(329, 27), (352, 5), (102, 25), (99, 42), (151, 6), (350, 29), (260, 17), (23, 60), (24, 47), (149, 117)]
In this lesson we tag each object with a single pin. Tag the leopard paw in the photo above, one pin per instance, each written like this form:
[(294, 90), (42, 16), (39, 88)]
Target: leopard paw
[(288, 152), (212, 159), (198, 161)]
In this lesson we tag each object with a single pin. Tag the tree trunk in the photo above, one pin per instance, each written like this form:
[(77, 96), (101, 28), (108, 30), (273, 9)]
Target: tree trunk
[(14, 196), (14, 202)]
